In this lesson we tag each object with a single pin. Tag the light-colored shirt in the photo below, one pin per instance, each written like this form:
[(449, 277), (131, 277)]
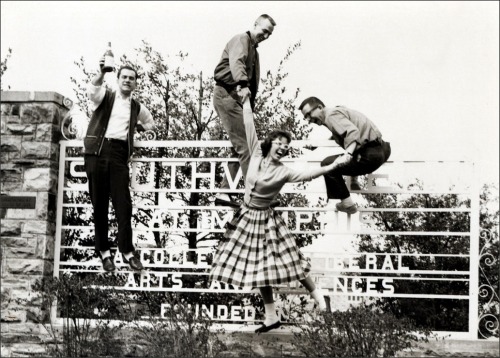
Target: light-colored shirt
[(262, 182), (348, 125), (120, 114)]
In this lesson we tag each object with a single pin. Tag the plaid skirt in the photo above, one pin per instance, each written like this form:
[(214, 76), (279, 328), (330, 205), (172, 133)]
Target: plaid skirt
[(258, 250)]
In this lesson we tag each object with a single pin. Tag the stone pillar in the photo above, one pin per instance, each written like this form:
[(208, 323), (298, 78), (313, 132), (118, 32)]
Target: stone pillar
[(30, 134)]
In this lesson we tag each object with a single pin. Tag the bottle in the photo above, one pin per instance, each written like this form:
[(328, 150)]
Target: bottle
[(109, 60)]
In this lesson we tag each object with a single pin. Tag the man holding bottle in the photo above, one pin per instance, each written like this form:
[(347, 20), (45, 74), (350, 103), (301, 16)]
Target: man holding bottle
[(108, 146)]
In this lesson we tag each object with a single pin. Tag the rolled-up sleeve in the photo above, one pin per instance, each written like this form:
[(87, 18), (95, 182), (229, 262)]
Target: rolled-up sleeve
[(95, 94), (344, 128), (145, 118)]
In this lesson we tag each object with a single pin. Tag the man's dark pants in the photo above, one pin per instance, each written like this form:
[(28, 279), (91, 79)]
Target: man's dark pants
[(230, 112), (365, 160), (108, 175)]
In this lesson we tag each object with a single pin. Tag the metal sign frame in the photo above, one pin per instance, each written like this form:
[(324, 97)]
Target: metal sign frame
[(471, 276)]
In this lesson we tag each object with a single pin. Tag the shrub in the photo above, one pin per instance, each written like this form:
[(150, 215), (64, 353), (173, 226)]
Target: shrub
[(86, 311), (179, 333), (87, 305), (357, 332)]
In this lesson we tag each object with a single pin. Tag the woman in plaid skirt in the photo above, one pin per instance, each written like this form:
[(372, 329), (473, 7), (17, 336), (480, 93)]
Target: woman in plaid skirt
[(258, 249)]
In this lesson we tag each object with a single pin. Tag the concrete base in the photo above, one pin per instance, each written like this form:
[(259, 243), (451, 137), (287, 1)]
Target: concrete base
[(457, 348), (243, 344)]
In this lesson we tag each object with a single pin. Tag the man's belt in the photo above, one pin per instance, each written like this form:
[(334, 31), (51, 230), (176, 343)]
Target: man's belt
[(114, 140), (373, 143), (228, 88)]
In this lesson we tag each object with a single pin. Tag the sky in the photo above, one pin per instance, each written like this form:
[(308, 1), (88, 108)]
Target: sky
[(425, 72)]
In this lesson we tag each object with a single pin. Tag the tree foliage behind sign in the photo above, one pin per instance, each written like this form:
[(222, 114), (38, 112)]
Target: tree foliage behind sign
[(181, 105), (3, 67), (436, 314)]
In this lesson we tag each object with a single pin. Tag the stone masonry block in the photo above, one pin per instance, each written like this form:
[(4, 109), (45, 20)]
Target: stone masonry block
[(25, 214), (23, 298), (36, 173), (35, 113), (21, 338), (20, 252), (5, 351), (4, 157), (21, 282), (6, 109), (10, 186), (8, 119), (5, 296), (10, 228), (40, 113), (10, 144), (24, 267), (5, 121), (45, 247), (45, 206), (28, 350), (13, 316), (15, 242), (40, 179), (10, 173), (39, 227), (44, 132), (20, 129), (27, 328), (36, 150)]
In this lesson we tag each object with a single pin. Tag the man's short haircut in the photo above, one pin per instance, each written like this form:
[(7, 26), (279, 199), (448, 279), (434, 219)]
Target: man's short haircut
[(267, 17), (311, 101), (127, 67), (267, 143)]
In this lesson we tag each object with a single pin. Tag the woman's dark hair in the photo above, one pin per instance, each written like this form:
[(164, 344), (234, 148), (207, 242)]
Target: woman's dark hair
[(267, 143)]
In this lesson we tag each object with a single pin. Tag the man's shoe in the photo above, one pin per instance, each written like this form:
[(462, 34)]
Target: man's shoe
[(107, 264), (264, 328), (134, 263), (349, 209)]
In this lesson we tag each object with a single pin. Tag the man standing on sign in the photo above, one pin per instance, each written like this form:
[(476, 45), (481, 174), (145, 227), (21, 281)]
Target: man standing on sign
[(237, 78), (365, 151), (108, 147)]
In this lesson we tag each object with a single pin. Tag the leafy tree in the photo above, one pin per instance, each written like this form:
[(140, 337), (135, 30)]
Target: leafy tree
[(489, 266), (181, 105), (3, 67), (436, 314)]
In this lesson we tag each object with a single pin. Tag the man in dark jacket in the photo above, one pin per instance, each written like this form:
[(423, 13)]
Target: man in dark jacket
[(237, 77), (108, 147), (365, 151)]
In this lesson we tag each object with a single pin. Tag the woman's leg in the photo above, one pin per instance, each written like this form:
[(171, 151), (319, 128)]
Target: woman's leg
[(272, 320), (317, 294)]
